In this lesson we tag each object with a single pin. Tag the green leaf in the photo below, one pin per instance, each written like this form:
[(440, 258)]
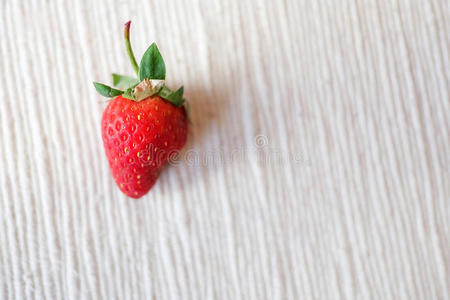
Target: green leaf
[(164, 92), (106, 91), (174, 97), (152, 64), (129, 94), (122, 81)]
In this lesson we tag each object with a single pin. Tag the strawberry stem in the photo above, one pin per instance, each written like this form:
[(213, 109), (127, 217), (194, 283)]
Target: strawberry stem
[(128, 46)]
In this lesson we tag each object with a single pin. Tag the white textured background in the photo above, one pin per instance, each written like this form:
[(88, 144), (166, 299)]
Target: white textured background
[(349, 100)]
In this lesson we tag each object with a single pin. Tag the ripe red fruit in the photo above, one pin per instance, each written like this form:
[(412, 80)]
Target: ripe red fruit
[(144, 125), (139, 137)]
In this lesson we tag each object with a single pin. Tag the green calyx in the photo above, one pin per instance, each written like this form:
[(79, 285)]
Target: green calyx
[(150, 70)]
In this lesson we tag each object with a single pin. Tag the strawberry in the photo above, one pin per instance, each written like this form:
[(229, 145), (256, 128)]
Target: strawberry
[(144, 125)]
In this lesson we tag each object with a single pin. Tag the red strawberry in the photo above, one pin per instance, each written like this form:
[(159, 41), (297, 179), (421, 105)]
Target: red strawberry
[(138, 139), (143, 125)]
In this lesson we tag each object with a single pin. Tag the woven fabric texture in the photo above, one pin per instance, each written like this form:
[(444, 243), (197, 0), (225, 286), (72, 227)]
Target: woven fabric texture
[(317, 164)]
